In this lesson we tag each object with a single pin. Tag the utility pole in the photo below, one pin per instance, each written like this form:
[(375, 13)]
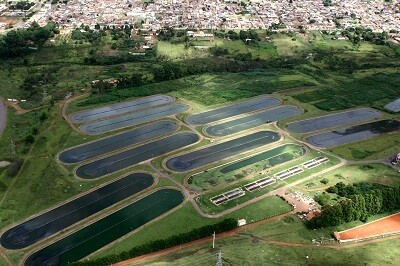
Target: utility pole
[(213, 239), (219, 258)]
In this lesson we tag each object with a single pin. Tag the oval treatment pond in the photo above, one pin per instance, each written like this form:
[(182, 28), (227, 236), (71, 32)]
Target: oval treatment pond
[(136, 155), (120, 108), (334, 120), (95, 236), (356, 133), (254, 120), (233, 110), (192, 160), (116, 142), (279, 155), (133, 119), (61, 217)]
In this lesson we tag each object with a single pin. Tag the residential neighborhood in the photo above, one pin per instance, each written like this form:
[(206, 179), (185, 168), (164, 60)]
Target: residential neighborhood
[(213, 14)]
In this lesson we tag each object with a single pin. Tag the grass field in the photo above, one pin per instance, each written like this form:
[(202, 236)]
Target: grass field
[(186, 218), (271, 243), (371, 149), (349, 174)]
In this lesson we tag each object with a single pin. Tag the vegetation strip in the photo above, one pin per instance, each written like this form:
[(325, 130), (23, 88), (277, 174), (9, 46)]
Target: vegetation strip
[(197, 233), (192, 160), (120, 108), (116, 142), (95, 236), (59, 218), (356, 133), (133, 119), (136, 155), (254, 120), (233, 110), (334, 120), (273, 157)]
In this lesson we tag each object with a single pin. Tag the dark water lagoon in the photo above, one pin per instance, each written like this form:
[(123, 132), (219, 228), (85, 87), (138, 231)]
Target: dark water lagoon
[(270, 158), (97, 235), (254, 120), (120, 108), (116, 142), (192, 160), (136, 155), (232, 110), (61, 217), (356, 133), (133, 119), (334, 120)]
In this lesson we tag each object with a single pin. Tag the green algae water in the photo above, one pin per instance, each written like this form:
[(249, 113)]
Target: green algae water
[(95, 236), (272, 157)]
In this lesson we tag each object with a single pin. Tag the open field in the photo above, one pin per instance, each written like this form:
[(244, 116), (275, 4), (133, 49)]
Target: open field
[(265, 208), (267, 244), (349, 174), (371, 149)]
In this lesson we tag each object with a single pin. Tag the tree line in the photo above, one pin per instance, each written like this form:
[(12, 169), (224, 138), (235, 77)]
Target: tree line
[(360, 201), (20, 42), (152, 246)]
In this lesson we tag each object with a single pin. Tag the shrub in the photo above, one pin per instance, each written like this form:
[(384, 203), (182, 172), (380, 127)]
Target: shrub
[(14, 167)]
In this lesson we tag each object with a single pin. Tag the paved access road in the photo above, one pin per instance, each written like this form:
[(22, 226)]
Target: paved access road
[(119, 141), (334, 120), (59, 218), (136, 155), (133, 119), (254, 120), (232, 110), (3, 115), (192, 160), (356, 133), (99, 234), (120, 108)]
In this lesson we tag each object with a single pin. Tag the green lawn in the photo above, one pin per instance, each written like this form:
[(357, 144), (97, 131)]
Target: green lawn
[(186, 218), (371, 149), (349, 174), (245, 250)]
